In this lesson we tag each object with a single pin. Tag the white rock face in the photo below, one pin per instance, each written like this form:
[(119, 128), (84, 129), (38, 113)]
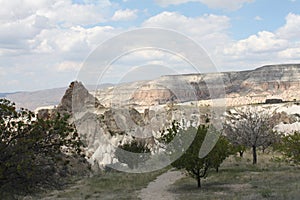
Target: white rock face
[(288, 128), (290, 109)]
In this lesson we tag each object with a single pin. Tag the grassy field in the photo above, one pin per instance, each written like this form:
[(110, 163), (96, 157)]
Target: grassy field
[(110, 185), (239, 179)]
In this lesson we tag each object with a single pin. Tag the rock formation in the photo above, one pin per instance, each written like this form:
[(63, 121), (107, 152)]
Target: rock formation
[(101, 129), (252, 86), (77, 99), (112, 118)]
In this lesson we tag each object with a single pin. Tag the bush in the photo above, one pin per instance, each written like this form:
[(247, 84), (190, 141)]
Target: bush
[(133, 154), (290, 147)]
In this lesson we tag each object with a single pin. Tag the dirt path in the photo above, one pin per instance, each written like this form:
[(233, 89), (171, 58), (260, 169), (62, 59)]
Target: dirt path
[(158, 189)]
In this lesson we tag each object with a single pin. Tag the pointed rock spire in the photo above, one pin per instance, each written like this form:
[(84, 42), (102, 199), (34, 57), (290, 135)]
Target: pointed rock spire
[(77, 99)]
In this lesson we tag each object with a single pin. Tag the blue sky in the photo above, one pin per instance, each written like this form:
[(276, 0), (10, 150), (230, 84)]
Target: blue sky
[(45, 43)]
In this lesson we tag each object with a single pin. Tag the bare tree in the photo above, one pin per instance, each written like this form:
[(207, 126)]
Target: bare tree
[(250, 127)]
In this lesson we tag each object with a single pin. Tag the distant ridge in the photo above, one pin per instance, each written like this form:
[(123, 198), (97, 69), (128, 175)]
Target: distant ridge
[(41, 98), (241, 87), (3, 95)]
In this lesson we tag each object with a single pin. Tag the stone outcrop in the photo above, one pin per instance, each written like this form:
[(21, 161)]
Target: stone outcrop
[(101, 129), (77, 99)]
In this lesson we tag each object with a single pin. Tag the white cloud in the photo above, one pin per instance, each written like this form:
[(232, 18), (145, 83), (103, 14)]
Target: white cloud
[(23, 20), (145, 64), (14, 34), (18, 9), (208, 30), (280, 46), (68, 14), (2, 72), (125, 15), (291, 29), (74, 43), (203, 25), (148, 56), (219, 4), (57, 11), (13, 82), (68, 66), (262, 42), (258, 18), (49, 36), (290, 53)]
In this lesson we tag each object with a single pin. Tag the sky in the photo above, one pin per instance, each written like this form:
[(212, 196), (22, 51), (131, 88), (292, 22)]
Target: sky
[(46, 43)]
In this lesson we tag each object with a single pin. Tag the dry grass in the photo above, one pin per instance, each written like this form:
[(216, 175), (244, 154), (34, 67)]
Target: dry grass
[(112, 185)]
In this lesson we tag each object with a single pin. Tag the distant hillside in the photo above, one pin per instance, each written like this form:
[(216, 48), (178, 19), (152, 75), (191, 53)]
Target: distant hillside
[(41, 98), (243, 87), (33, 100), (3, 95)]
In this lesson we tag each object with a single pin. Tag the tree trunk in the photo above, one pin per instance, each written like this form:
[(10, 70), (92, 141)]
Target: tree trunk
[(254, 155), (241, 153), (199, 181), (217, 169)]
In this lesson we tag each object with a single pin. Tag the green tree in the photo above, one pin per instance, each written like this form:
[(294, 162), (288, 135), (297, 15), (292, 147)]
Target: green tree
[(290, 147), (220, 152), (198, 167), (132, 154), (34, 153), (240, 149)]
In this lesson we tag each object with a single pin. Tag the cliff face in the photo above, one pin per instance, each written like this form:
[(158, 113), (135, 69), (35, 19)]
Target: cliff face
[(281, 81)]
